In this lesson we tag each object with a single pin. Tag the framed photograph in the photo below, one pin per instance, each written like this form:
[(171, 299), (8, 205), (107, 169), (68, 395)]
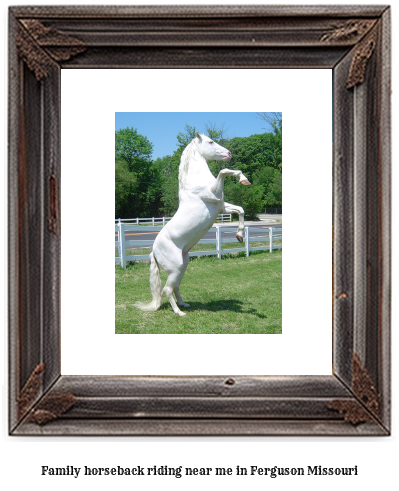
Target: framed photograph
[(178, 161), (48, 44)]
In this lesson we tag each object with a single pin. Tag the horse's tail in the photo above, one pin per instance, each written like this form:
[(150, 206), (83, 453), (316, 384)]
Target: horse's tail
[(156, 288)]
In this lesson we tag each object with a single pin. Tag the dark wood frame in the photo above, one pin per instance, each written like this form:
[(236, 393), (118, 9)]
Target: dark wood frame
[(353, 41)]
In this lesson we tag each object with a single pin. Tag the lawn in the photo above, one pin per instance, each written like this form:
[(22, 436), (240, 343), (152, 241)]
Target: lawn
[(232, 295)]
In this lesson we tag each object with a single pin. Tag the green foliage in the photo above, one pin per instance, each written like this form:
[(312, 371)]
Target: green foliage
[(137, 182), (133, 148), (125, 185), (259, 157), (185, 138), (271, 180), (254, 152), (249, 197), (215, 132), (168, 169)]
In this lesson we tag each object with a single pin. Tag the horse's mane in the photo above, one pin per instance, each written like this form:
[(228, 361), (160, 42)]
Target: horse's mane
[(188, 152)]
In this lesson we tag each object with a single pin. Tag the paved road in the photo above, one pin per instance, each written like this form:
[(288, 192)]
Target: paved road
[(133, 235)]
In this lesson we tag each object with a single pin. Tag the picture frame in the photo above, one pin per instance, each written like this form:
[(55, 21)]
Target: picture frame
[(352, 41)]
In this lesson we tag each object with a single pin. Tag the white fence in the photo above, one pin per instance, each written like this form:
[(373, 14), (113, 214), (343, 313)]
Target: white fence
[(226, 217), (251, 235)]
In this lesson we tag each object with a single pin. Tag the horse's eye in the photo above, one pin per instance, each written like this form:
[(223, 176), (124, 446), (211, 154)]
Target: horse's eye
[(211, 141)]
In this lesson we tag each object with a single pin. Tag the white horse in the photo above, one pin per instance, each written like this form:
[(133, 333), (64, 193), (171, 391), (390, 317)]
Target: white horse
[(200, 202)]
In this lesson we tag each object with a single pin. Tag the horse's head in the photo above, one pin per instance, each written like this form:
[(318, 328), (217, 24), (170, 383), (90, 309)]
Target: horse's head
[(211, 150)]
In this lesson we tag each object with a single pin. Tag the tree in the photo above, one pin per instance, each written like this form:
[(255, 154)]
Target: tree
[(185, 138), (249, 197), (252, 153), (133, 148), (275, 120), (217, 133), (137, 183), (259, 157), (271, 181), (168, 168), (125, 185)]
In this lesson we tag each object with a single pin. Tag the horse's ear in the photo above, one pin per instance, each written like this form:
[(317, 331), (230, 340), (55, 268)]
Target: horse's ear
[(198, 136)]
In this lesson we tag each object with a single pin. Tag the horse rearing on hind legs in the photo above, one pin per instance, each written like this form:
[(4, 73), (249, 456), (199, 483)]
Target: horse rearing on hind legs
[(200, 202)]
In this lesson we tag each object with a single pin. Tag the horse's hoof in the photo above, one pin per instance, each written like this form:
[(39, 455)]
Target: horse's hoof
[(181, 314), (185, 305), (244, 180), (239, 238)]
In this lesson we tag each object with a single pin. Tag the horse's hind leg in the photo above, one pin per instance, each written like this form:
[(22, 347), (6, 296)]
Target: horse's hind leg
[(173, 283), (229, 208), (180, 302), (175, 264)]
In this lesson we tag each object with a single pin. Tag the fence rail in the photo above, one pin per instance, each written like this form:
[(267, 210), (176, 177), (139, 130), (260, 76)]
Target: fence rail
[(225, 217), (123, 245)]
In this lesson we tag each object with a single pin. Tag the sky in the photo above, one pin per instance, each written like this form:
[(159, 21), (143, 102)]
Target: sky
[(162, 128)]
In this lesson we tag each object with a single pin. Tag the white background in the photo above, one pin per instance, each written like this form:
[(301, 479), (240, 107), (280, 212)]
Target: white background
[(90, 99), (376, 458)]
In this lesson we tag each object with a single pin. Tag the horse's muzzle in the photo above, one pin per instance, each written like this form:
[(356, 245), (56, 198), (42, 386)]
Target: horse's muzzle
[(227, 156)]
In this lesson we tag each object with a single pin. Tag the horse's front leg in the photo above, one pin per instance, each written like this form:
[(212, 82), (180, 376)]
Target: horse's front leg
[(229, 208), (217, 186)]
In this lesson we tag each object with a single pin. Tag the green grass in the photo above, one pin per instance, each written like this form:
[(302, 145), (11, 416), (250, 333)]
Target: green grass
[(234, 295)]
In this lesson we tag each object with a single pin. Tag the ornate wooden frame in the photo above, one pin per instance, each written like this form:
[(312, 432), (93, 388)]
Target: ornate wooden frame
[(353, 41)]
